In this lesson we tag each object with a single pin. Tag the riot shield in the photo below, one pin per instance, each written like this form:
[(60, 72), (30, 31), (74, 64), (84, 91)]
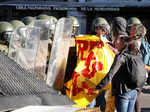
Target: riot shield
[(59, 53), (42, 51), (23, 46)]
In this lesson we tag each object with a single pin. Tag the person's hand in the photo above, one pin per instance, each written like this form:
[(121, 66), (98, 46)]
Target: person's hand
[(92, 91)]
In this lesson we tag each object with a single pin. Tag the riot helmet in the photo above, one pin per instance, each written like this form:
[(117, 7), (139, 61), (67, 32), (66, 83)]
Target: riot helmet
[(133, 20), (137, 31), (100, 23), (6, 30), (16, 23), (42, 17), (28, 20), (75, 25), (53, 21)]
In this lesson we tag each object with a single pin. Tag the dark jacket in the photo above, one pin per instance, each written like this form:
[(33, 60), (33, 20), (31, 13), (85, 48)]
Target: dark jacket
[(118, 74)]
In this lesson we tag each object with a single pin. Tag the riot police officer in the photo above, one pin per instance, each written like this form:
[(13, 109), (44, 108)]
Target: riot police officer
[(75, 25), (101, 24), (53, 21), (16, 23), (6, 30), (42, 17), (133, 20), (28, 20)]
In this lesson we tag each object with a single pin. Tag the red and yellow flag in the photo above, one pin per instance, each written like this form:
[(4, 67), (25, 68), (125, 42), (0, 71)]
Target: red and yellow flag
[(94, 61)]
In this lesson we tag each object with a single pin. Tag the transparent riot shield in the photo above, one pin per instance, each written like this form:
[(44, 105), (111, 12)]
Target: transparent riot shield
[(23, 46), (42, 51), (59, 53)]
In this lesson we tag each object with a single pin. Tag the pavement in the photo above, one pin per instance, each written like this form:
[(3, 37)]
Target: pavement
[(145, 98)]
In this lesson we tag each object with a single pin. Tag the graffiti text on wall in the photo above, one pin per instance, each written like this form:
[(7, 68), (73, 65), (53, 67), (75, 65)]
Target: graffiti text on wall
[(62, 8)]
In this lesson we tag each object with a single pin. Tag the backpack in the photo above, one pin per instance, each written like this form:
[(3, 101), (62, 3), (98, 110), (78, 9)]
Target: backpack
[(136, 71), (145, 50)]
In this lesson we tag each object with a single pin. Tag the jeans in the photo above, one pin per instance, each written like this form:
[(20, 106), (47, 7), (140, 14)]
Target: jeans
[(92, 104), (99, 101), (126, 101), (137, 106)]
